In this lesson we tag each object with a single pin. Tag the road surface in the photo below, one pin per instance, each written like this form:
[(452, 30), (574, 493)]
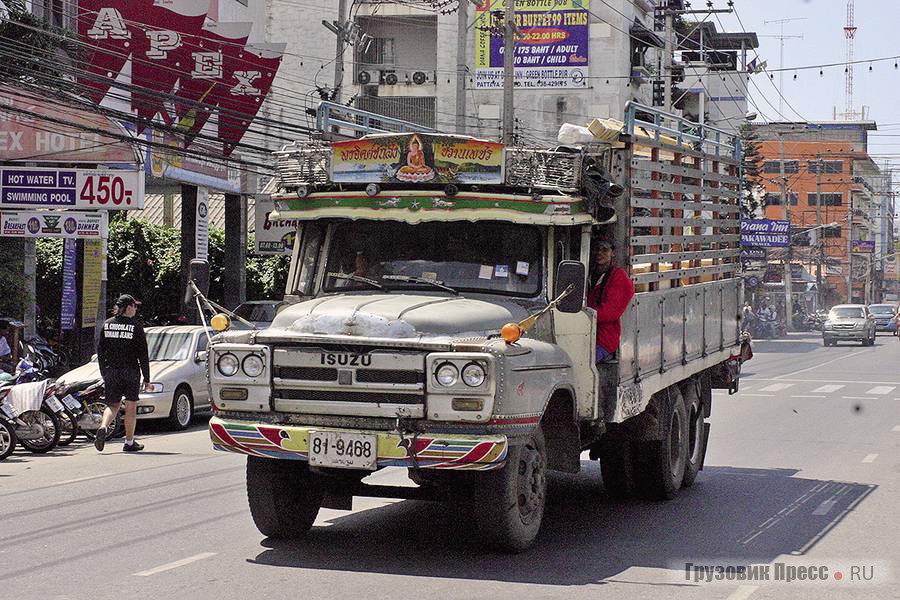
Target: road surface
[(803, 469)]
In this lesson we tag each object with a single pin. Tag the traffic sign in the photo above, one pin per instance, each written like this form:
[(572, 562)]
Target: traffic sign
[(104, 189)]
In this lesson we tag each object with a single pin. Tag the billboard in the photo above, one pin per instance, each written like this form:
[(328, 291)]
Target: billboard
[(183, 71), (273, 237), (765, 233), (68, 224), (105, 189), (417, 158), (551, 48)]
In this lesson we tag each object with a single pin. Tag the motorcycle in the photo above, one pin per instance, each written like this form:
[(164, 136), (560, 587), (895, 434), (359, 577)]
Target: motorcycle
[(8, 439), (36, 428), (85, 402)]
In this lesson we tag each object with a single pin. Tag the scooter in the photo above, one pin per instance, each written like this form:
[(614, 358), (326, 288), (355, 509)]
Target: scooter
[(37, 430)]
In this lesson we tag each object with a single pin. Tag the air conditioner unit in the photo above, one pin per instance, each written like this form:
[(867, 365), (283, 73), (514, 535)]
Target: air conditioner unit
[(367, 77), (389, 77), (421, 77)]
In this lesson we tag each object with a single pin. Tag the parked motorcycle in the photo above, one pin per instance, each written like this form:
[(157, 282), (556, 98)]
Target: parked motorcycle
[(85, 402), (8, 437), (37, 430)]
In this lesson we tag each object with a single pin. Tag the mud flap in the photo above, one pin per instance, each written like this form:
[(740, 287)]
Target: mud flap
[(705, 444)]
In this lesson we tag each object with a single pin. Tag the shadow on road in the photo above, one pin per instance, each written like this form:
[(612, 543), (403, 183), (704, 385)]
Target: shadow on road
[(729, 514)]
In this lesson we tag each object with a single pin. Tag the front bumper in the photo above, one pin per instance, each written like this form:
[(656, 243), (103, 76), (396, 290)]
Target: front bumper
[(423, 451), (154, 406)]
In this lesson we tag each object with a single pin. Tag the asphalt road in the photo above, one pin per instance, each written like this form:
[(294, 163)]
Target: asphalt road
[(803, 469)]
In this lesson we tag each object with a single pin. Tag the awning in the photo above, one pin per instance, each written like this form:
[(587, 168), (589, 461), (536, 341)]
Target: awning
[(642, 34)]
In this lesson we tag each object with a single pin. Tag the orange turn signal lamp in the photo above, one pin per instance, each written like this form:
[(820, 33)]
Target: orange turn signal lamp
[(511, 333)]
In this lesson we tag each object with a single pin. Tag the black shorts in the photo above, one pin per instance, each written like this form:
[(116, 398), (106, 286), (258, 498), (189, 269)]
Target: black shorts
[(122, 383)]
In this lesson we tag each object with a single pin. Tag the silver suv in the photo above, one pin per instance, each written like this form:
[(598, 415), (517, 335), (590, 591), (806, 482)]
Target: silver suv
[(849, 322)]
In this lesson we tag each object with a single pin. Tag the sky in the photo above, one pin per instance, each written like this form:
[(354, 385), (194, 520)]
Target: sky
[(815, 96)]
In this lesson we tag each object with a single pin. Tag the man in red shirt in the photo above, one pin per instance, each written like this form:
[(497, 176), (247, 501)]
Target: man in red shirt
[(611, 292)]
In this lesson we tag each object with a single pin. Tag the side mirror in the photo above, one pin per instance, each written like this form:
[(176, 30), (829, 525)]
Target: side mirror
[(570, 273), (200, 357), (198, 274)]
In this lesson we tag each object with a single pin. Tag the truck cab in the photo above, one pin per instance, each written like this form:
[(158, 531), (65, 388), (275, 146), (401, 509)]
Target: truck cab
[(435, 319)]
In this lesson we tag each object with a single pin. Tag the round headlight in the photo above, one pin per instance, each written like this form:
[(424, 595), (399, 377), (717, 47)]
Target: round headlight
[(447, 374), (473, 375), (253, 366), (228, 364)]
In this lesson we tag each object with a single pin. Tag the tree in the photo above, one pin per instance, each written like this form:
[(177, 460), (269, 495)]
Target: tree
[(751, 168), (37, 41)]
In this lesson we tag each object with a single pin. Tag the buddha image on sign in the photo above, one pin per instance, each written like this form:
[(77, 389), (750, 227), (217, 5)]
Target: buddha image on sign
[(415, 170)]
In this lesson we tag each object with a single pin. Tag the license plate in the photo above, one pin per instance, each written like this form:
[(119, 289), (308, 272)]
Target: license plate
[(343, 450), (71, 402), (54, 404)]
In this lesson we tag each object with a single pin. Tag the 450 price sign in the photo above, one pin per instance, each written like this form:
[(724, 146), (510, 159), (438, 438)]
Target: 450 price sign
[(104, 189)]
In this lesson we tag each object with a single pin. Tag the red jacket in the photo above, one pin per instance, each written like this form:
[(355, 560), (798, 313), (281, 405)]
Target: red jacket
[(610, 306)]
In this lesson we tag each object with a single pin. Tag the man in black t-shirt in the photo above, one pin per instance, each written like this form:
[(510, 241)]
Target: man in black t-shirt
[(123, 357)]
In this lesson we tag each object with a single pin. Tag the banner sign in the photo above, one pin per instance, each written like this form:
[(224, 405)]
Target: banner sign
[(201, 225), (766, 233), (551, 48), (92, 269), (273, 237), (170, 47), (862, 246), (55, 223), (69, 291), (86, 136), (752, 253), (104, 189), (417, 158)]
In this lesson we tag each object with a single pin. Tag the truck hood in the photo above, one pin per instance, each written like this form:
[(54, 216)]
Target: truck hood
[(394, 316)]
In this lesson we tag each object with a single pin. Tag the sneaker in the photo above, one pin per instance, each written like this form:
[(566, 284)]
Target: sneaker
[(100, 440), (134, 446)]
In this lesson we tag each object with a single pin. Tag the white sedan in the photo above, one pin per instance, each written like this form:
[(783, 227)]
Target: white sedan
[(177, 372)]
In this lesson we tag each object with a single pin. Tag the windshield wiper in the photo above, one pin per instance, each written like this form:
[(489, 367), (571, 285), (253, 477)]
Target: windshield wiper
[(359, 279), (431, 282)]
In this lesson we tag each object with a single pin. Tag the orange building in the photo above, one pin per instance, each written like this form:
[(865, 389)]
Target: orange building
[(826, 172)]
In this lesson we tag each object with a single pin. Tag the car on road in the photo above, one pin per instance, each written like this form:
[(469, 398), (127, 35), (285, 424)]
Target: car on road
[(259, 312), (177, 372), (884, 316), (849, 322)]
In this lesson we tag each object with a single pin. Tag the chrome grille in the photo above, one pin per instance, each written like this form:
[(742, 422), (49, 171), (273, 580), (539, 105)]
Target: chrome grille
[(341, 396), (843, 326)]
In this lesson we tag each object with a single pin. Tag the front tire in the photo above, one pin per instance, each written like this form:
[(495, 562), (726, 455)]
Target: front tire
[(284, 496), (50, 424), (68, 428), (182, 409), (659, 465), (7, 439), (509, 502)]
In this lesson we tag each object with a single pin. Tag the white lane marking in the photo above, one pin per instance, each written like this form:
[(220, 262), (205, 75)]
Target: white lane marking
[(804, 396), (754, 379), (827, 389), (881, 390), (827, 362), (824, 508), (858, 398), (870, 458), (88, 478), (743, 592), (776, 387), (175, 565)]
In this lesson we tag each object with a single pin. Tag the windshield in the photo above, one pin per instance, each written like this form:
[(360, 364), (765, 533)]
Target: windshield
[(882, 309), (490, 257), (169, 346), (848, 312), (256, 312)]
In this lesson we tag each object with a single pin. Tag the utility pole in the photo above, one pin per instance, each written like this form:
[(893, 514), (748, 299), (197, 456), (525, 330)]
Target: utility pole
[(339, 29), (850, 251), (509, 71), (461, 37), (668, 57), (783, 37), (786, 202), (820, 235)]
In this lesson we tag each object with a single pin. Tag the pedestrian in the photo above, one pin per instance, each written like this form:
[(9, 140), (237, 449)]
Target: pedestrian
[(123, 357), (611, 292)]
